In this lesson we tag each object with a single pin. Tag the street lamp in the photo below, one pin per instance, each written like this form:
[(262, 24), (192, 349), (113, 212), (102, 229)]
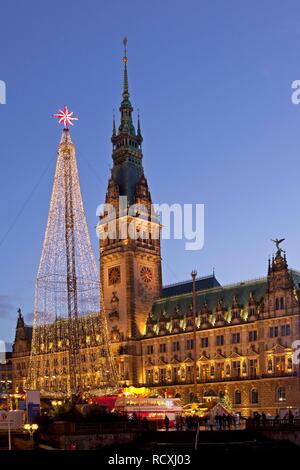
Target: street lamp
[(31, 428)]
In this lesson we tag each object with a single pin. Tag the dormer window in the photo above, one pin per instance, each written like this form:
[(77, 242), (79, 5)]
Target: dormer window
[(279, 303)]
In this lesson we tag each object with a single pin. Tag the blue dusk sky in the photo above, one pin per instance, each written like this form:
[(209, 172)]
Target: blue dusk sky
[(212, 80)]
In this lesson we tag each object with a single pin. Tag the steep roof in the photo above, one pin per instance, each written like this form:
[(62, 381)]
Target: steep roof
[(185, 287), (182, 301)]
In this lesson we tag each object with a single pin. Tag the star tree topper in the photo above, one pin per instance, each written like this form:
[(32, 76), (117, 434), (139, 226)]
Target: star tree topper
[(66, 117)]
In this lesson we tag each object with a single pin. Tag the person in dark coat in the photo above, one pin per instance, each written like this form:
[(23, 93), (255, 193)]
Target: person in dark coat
[(167, 423)]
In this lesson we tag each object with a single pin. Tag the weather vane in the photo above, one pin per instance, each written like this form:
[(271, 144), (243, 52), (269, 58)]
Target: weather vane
[(66, 117)]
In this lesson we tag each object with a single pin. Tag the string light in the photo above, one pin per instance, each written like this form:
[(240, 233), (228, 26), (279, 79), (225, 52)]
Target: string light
[(69, 317)]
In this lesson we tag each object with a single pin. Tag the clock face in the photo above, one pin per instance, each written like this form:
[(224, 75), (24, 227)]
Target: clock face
[(114, 275), (146, 274)]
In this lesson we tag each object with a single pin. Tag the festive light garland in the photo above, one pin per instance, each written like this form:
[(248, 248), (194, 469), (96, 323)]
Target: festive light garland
[(61, 341)]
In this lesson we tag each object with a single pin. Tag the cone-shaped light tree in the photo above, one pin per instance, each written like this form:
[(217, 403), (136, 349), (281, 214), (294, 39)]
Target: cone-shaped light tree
[(68, 311)]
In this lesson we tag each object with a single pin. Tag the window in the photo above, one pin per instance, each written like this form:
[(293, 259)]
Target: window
[(280, 364), (237, 397), (290, 363), (270, 365), (279, 303), (253, 335), (176, 346), (251, 311), (189, 373), (204, 342), (236, 369), (162, 347), (236, 314), (253, 367), (285, 330), (162, 375), (254, 396), (220, 370), (149, 376), (150, 349), (204, 372), (175, 374), (280, 394), (236, 338), (220, 340), (190, 344), (273, 331)]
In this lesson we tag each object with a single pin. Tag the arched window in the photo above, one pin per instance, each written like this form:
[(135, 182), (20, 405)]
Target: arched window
[(254, 396), (237, 397), (280, 394)]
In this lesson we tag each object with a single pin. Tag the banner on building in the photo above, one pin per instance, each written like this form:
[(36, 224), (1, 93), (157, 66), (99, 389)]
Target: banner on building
[(33, 405)]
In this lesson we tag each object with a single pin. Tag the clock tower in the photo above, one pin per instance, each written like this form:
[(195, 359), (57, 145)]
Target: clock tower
[(130, 259)]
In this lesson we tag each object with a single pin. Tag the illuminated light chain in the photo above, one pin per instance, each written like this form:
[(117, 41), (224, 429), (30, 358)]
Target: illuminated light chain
[(54, 332)]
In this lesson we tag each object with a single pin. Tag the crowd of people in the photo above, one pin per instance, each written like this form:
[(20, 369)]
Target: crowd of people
[(216, 422), (190, 423), (263, 421)]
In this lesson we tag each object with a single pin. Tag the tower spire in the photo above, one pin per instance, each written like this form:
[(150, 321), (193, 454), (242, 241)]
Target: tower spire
[(125, 60), (126, 150), (126, 125)]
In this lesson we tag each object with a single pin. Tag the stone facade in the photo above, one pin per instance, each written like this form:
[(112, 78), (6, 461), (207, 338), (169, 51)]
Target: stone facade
[(244, 342)]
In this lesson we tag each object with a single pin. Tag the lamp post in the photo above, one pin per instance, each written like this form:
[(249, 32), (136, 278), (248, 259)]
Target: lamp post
[(9, 430), (31, 428), (194, 274)]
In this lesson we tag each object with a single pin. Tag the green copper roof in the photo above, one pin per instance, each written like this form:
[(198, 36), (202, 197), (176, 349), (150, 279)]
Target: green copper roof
[(211, 296)]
